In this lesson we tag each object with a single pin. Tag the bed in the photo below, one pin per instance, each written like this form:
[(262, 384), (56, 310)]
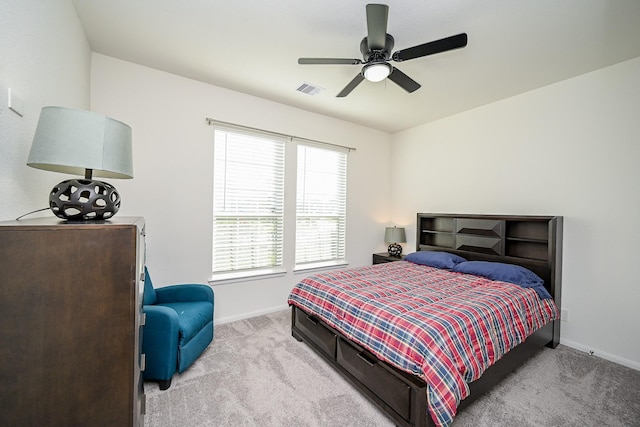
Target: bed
[(378, 341)]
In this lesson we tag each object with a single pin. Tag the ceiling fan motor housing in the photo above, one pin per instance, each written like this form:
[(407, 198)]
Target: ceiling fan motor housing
[(376, 55)]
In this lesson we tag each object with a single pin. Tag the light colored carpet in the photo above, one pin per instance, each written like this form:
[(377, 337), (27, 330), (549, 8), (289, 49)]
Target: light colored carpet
[(256, 374)]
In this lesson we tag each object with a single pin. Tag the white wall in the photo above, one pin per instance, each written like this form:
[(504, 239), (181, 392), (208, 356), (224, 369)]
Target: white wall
[(45, 59), (569, 149), (172, 185)]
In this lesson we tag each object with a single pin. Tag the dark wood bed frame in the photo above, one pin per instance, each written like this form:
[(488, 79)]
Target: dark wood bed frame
[(534, 242)]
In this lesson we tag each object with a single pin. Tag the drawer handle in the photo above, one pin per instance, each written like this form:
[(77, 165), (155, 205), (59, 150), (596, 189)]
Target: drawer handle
[(312, 320), (369, 360)]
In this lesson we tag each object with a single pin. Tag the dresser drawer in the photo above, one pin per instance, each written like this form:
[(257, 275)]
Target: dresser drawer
[(377, 377), (316, 332)]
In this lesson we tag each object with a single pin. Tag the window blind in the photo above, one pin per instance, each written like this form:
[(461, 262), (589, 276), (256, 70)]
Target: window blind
[(248, 200), (320, 205)]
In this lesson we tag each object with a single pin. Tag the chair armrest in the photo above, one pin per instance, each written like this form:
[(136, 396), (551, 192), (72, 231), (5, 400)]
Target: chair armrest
[(184, 293), (160, 342)]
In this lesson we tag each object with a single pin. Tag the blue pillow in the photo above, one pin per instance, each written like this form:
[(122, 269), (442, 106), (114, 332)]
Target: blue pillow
[(435, 259), (505, 273)]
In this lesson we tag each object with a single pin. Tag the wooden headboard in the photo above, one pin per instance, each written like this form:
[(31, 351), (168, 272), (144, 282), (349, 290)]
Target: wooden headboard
[(534, 242)]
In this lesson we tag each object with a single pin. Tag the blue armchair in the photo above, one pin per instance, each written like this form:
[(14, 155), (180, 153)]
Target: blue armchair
[(178, 327)]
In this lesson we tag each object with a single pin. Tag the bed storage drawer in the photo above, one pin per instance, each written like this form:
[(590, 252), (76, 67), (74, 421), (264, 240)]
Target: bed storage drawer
[(376, 376), (315, 331)]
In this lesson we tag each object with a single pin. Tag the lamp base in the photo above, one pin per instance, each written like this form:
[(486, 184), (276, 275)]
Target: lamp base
[(84, 199), (395, 250)]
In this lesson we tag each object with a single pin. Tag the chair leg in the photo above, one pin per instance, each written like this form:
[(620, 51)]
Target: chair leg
[(164, 384)]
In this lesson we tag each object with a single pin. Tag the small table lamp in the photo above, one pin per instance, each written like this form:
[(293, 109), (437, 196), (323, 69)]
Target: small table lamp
[(395, 235), (82, 143)]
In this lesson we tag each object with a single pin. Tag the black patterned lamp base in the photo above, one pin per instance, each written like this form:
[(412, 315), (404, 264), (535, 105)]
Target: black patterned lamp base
[(84, 199), (395, 250)]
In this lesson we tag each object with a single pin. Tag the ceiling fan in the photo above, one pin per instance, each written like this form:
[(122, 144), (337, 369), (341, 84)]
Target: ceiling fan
[(376, 50)]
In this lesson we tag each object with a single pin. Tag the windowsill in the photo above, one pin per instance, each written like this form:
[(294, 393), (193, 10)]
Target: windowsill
[(328, 265), (243, 276)]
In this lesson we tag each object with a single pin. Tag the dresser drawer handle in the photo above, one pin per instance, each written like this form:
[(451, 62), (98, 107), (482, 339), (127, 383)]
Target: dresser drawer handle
[(312, 320)]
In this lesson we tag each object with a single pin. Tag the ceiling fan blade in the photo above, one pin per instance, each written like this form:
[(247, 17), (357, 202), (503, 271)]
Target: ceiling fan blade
[(352, 84), (338, 61), (404, 81), (437, 46), (377, 15)]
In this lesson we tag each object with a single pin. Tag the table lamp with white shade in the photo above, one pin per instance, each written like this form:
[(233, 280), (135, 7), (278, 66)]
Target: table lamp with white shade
[(82, 143)]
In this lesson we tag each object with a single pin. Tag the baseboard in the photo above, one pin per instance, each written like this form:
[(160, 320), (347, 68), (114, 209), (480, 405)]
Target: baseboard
[(251, 314), (602, 354)]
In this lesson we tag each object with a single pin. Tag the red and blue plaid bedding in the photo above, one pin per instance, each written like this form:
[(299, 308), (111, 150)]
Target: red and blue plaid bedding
[(444, 327)]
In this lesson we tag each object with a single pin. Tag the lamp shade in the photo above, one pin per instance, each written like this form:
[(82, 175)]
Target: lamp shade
[(395, 235), (72, 141)]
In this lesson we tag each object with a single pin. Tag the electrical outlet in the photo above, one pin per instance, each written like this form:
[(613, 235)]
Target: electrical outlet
[(564, 315)]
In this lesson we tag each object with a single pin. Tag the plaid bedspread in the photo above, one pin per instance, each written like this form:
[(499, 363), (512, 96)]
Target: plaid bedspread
[(444, 327)]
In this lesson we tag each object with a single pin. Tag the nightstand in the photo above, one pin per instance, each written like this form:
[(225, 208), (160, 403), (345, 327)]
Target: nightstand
[(385, 257)]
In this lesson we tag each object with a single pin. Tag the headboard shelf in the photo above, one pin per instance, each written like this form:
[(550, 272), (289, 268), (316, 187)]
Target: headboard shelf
[(436, 224), (527, 237), (527, 230), (437, 238), (521, 248)]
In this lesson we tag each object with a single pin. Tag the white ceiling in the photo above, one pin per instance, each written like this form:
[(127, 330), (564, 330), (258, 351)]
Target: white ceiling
[(252, 46)]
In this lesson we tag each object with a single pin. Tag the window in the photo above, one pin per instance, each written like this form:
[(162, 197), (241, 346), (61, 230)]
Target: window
[(248, 200), (255, 229), (320, 205)]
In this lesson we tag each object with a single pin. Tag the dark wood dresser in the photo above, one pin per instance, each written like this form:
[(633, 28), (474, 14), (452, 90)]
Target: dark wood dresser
[(71, 322)]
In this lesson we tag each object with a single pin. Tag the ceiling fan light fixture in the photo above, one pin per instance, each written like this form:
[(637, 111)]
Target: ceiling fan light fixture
[(376, 72)]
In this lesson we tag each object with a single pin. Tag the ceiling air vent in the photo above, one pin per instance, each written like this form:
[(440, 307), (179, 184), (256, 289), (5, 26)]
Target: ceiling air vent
[(309, 89)]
